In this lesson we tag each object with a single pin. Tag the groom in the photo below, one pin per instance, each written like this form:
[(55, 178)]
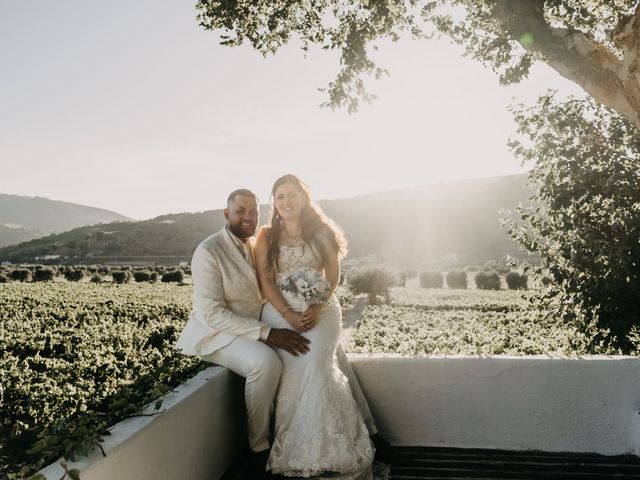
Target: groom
[(224, 326)]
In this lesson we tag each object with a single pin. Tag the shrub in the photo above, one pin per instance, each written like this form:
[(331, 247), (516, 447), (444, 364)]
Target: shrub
[(153, 277), (516, 281), (43, 274), (74, 275), (488, 280), (431, 279), (3, 278), (104, 270), (96, 278), (142, 276), (373, 281), (457, 279), (401, 279), (21, 275), (121, 276), (176, 276)]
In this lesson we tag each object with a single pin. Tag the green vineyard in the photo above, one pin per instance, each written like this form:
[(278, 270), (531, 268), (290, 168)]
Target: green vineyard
[(466, 322), (77, 358)]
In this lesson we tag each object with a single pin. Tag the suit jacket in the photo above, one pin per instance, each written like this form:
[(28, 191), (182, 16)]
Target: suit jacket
[(226, 297)]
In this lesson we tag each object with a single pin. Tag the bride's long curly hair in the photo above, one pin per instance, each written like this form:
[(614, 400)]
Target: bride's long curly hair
[(318, 231)]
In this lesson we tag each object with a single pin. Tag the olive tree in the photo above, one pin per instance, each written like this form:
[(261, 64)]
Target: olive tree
[(584, 220), (592, 43)]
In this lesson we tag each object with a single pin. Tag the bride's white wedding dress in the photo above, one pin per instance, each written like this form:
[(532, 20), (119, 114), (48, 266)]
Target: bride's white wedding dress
[(318, 427)]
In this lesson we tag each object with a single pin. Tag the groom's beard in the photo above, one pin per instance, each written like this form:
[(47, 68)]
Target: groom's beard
[(242, 232)]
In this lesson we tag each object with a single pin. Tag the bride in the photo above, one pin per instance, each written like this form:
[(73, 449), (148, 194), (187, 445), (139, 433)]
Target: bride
[(318, 427)]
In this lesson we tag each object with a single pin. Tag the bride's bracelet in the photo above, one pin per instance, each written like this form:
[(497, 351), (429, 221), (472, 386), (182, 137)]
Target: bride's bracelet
[(285, 310)]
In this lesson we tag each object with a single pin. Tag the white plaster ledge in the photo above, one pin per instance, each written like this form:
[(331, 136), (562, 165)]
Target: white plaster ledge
[(571, 404), (196, 437)]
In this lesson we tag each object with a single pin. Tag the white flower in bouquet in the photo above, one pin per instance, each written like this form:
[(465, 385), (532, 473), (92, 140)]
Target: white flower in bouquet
[(307, 283)]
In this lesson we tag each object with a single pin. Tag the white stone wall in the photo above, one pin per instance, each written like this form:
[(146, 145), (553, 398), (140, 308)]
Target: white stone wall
[(196, 438), (588, 404)]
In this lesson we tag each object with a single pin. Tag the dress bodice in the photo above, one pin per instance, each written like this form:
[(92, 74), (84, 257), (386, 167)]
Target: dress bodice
[(295, 257)]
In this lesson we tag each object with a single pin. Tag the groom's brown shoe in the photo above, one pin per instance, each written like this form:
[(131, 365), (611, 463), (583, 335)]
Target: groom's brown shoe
[(387, 454)]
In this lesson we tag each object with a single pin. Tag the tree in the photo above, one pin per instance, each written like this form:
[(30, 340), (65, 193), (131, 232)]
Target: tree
[(594, 44), (431, 279), (488, 280), (176, 276), (374, 280), (584, 220), (121, 276), (457, 279), (516, 281)]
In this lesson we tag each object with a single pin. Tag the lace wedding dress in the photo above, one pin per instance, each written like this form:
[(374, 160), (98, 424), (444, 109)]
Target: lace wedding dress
[(318, 427)]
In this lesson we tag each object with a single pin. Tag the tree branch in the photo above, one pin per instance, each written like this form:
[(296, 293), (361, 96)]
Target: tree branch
[(577, 56)]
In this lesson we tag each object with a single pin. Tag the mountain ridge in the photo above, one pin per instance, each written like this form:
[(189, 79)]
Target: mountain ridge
[(24, 218), (407, 226)]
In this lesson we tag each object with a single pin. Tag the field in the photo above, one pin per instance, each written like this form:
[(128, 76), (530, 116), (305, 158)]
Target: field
[(76, 358), (475, 322)]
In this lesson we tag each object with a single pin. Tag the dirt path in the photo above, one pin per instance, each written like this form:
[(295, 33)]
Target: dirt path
[(350, 317)]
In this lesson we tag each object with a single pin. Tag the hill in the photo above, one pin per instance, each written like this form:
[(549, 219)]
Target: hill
[(407, 227), (25, 218)]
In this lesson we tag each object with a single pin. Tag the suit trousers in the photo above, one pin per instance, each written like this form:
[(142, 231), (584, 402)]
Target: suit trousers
[(261, 367)]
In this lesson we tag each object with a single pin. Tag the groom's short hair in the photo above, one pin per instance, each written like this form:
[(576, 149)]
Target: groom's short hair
[(241, 192)]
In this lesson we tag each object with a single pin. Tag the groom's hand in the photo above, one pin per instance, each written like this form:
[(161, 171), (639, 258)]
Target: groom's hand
[(288, 340)]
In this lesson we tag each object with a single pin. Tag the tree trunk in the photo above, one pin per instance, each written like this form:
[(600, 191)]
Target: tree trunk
[(576, 56)]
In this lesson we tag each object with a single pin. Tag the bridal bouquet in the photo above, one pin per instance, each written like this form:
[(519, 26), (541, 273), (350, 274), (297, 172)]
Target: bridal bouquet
[(305, 282)]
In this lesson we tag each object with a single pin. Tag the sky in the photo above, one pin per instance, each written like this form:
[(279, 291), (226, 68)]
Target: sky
[(133, 107)]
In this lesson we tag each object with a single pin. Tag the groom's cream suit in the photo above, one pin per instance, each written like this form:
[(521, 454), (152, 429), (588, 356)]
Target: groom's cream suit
[(226, 297), (224, 329)]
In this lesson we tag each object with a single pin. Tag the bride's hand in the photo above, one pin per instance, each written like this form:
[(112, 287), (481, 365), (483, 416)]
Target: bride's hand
[(310, 316), (295, 320)]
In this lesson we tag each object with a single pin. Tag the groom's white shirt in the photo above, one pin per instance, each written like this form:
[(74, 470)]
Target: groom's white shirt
[(226, 297)]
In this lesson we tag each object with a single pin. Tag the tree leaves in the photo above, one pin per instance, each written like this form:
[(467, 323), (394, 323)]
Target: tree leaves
[(505, 35), (586, 169)]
